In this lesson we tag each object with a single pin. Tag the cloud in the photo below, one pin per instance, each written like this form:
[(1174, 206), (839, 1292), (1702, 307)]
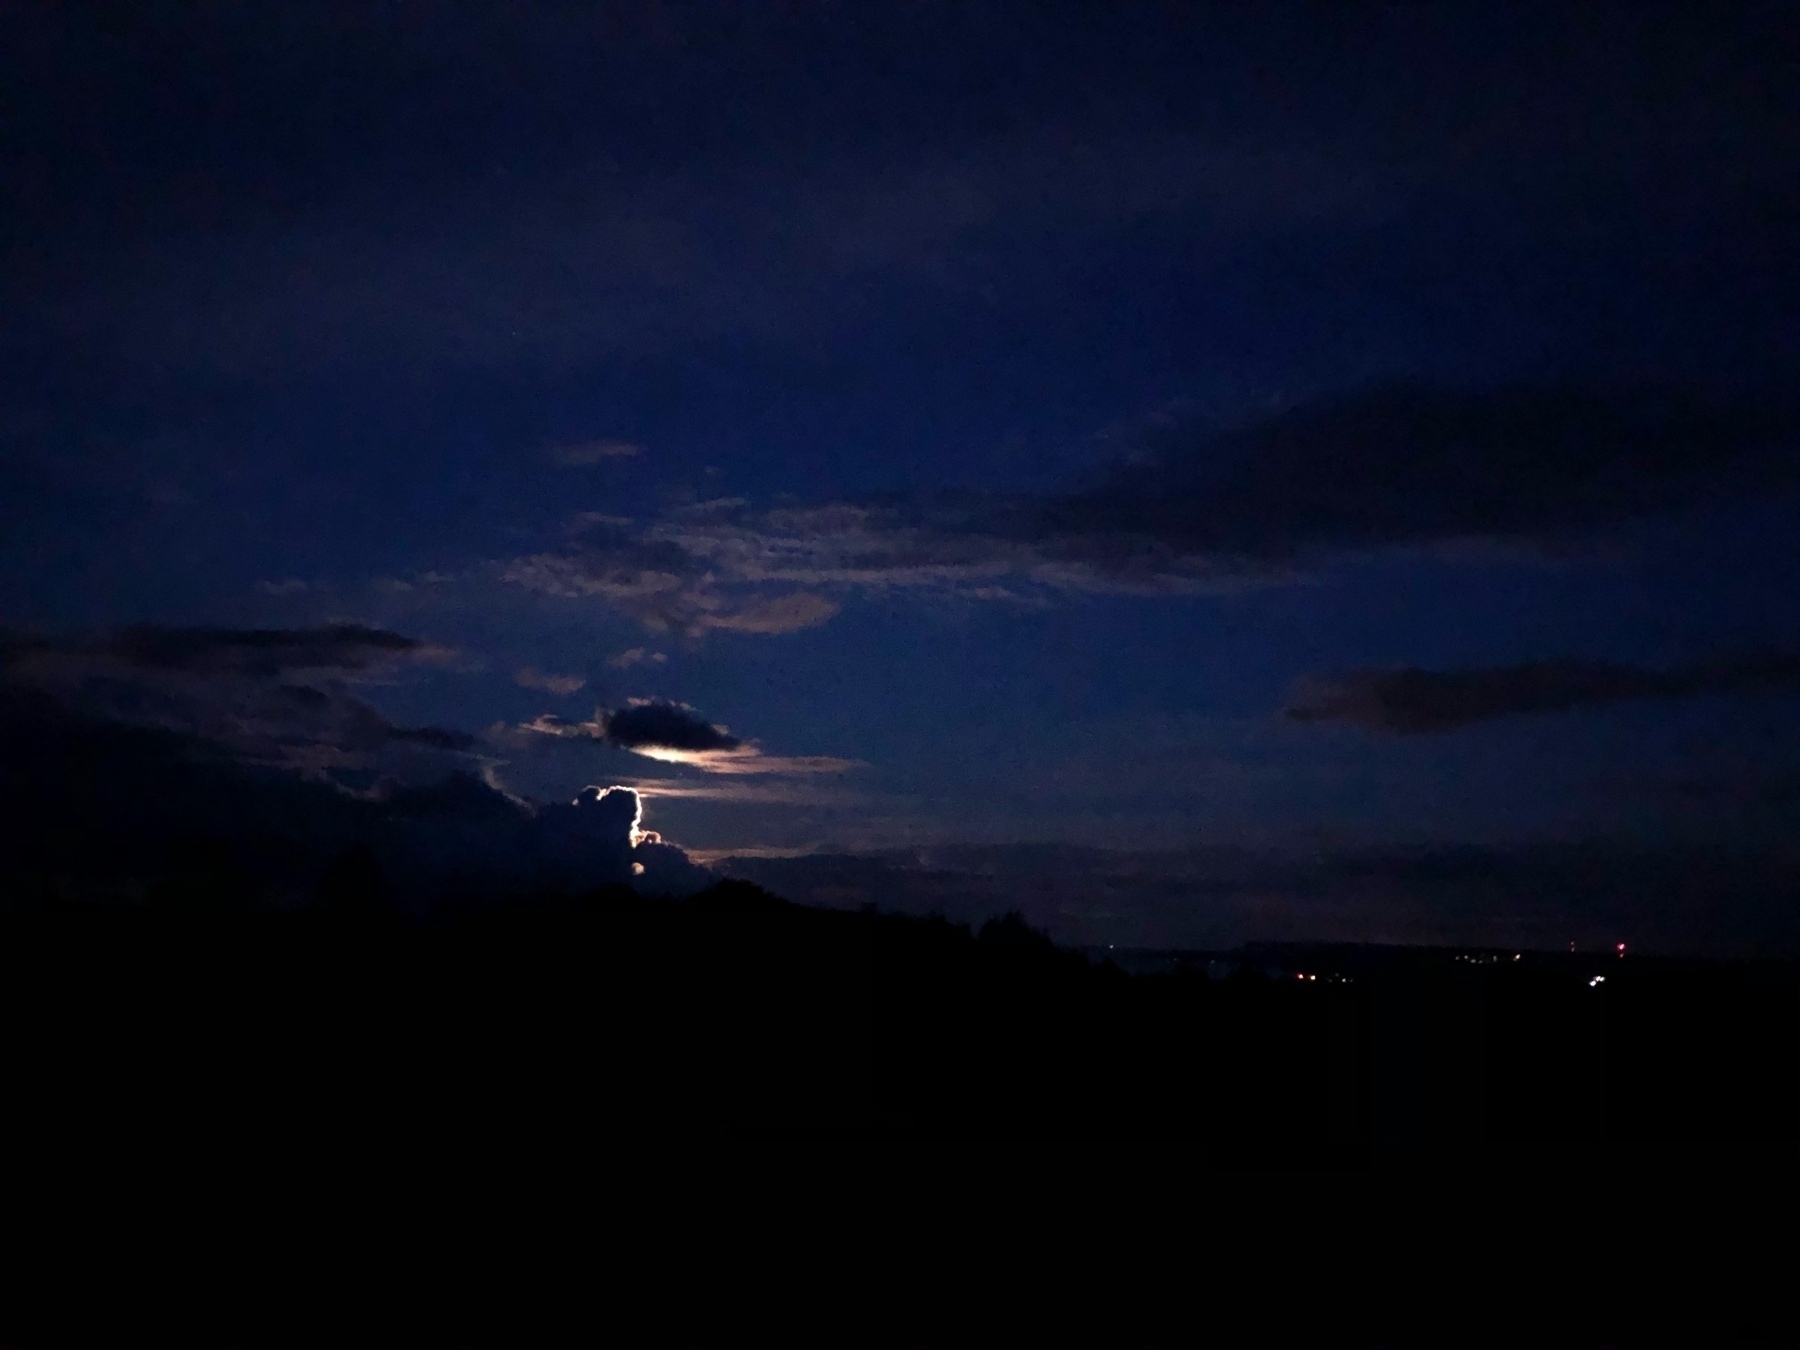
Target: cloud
[(1196, 509), (724, 566), (113, 810), (176, 708), (598, 836), (662, 574), (1413, 464), (593, 452), (438, 738), (665, 726), (636, 656), (739, 792), (264, 696), (1412, 701), (259, 651), (532, 678), (673, 734), (780, 614), (749, 759)]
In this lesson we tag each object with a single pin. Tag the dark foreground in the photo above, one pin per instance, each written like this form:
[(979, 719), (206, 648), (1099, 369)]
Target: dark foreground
[(736, 1013), (665, 1073)]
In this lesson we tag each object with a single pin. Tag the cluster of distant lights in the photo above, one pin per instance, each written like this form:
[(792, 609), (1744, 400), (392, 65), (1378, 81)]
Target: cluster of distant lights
[(1473, 959), (1598, 980)]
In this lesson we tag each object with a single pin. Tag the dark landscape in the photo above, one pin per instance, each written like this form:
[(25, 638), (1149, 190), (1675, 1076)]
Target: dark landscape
[(242, 947), (893, 672)]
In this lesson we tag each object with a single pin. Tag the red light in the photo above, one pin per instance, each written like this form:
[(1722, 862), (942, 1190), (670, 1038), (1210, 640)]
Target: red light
[(1621, 949)]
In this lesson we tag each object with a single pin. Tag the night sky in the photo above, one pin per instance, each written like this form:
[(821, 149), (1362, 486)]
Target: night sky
[(1187, 432)]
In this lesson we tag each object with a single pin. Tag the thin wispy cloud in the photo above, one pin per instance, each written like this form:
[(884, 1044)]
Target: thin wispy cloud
[(751, 792), (585, 454), (533, 678), (636, 656), (732, 568), (747, 760)]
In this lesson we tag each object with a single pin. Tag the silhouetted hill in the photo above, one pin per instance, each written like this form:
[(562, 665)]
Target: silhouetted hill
[(421, 1101), (614, 1014)]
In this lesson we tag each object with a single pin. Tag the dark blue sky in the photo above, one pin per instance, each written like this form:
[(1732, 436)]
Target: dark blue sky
[(996, 417)]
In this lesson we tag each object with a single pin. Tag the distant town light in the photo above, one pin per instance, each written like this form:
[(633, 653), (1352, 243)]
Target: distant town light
[(1596, 981), (1621, 949)]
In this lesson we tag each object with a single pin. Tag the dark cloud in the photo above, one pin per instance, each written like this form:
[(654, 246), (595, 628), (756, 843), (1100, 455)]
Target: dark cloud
[(259, 651), (1200, 509), (267, 696), (97, 806), (665, 726), (673, 733), (438, 738), (103, 809), (1412, 464), (1413, 701)]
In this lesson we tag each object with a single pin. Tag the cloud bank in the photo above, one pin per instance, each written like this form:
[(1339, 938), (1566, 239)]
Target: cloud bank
[(258, 651), (1197, 510), (108, 811), (1416, 702), (116, 750), (1410, 464), (277, 697)]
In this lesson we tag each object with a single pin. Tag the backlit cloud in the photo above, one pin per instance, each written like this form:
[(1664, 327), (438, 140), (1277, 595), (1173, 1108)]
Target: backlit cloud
[(649, 724), (673, 733)]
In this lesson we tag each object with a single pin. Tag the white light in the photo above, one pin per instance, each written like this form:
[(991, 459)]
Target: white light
[(1597, 980)]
